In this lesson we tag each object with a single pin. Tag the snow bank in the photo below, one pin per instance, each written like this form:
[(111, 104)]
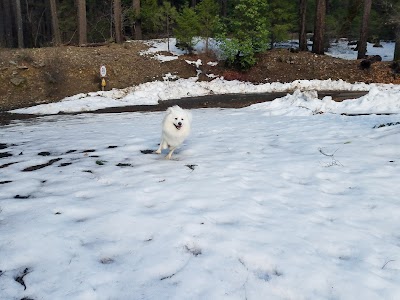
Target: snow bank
[(152, 92)]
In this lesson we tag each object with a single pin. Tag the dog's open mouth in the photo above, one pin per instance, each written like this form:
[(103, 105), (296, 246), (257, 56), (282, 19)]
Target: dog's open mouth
[(178, 126)]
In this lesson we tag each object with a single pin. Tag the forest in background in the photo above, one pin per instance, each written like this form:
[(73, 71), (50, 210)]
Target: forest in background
[(245, 26)]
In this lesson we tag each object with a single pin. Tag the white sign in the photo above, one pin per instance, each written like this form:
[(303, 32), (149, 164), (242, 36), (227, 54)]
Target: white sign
[(103, 71)]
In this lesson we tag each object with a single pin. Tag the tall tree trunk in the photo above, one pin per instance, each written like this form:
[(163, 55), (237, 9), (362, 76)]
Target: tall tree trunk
[(168, 32), (193, 3), (224, 8), (138, 22), (397, 44), (2, 27), (20, 29), (362, 43), (82, 23), (8, 24), (54, 23), (319, 27), (118, 21), (302, 32)]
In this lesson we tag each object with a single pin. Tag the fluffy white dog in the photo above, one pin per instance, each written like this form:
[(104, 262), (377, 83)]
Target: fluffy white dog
[(175, 129)]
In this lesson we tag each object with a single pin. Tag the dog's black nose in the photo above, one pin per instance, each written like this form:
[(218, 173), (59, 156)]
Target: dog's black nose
[(180, 123)]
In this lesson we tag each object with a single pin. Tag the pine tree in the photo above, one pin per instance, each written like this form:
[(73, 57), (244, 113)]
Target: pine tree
[(6, 20), (352, 11), (282, 18), (392, 10), (248, 34), (20, 30), (168, 15), (68, 19), (302, 26), (397, 43), (118, 21), (319, 27), (187, 28), (150, 17), (362, 44), (207, 12), (54, 23), (138, 23), (82, 25)]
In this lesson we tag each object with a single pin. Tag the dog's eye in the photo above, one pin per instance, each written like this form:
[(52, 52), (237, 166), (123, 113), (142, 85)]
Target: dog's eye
[(182, 119), (176, 118)]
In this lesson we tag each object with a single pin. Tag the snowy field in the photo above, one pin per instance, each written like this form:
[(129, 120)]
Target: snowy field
[(288, 199), (251, 207)]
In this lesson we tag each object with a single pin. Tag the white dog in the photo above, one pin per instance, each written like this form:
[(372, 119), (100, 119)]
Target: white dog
[(175, 129)]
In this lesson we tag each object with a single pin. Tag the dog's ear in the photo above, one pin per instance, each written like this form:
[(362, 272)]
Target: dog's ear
[(173, 108)]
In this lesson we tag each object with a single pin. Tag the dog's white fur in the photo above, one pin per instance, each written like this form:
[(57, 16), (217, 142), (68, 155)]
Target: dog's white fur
[(175, 129)]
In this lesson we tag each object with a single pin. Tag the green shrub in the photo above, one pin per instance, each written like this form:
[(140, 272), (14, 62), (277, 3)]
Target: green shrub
[(187, 27), (248, 34)]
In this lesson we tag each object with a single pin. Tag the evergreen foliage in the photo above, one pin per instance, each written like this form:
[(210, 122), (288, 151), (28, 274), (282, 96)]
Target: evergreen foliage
[(249, 26), (150, 17), (282, 15), (187, 28), (209, 21), (248, 34), (130, 17), (168, 15)]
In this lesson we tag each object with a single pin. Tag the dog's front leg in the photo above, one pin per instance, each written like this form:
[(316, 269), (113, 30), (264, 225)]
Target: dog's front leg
[(169, 155), (158, 151)]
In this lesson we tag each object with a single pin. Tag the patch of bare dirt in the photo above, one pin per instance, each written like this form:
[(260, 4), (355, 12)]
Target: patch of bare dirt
[(34, 76), (281, 65)]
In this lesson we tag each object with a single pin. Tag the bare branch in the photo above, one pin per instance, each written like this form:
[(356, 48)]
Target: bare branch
[(324, 153), (387, 263), (334, 161)]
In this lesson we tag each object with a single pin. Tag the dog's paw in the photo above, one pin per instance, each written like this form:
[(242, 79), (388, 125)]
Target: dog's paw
[(158, 151), (169, 156)]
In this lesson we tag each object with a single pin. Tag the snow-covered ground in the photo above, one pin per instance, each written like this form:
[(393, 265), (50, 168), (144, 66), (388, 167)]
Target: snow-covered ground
[(251, 207), (288, 199), (341, 49)]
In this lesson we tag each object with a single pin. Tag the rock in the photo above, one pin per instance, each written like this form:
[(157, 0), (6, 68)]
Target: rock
[(50, 78), (365, 64), (374, 58), (395, 66), (17, 81), (39, 64)]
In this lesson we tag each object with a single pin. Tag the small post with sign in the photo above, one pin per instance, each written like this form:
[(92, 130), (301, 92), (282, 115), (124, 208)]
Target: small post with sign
[(103, 74)]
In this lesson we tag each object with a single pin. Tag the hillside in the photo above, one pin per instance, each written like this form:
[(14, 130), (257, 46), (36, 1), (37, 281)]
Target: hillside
[(33, 76)]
